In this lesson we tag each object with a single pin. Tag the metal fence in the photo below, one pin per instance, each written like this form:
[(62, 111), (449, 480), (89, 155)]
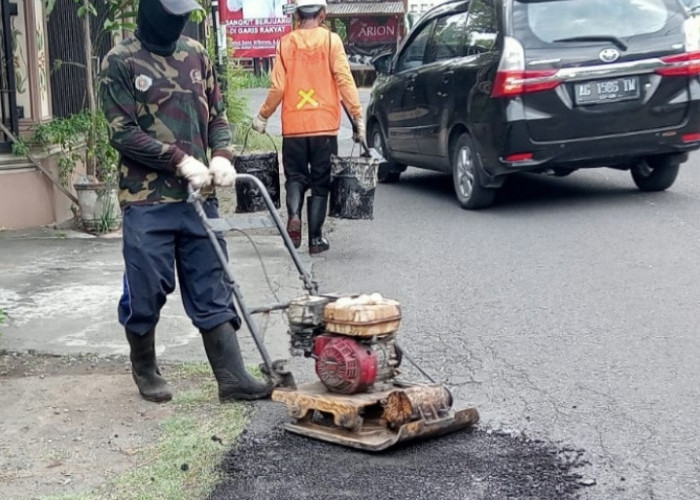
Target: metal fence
[(67, 57)]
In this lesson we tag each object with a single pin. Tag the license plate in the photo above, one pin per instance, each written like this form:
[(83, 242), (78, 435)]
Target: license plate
[(602, 91)]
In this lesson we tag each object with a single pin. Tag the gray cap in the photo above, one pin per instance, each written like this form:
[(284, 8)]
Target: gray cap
[(180, 7)]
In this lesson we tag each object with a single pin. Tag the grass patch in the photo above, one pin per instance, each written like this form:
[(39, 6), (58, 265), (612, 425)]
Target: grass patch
[(248, 80), (256, 141), (185, 462), (189, 371)]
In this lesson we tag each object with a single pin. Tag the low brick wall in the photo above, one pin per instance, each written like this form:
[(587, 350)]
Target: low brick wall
[(28, 198)]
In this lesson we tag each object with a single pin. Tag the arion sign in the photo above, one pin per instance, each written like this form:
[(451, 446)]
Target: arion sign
[(254, 26), (373, 30)]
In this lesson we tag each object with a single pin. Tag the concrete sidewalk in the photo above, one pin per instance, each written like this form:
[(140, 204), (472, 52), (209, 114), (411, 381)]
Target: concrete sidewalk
[(59, 291)]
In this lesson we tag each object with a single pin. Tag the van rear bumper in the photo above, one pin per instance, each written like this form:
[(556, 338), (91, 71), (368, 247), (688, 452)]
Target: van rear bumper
[(621, 151)]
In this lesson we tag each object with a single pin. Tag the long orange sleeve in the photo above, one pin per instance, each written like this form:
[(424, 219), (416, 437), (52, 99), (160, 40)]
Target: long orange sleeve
[(278, 78), (343, 78)]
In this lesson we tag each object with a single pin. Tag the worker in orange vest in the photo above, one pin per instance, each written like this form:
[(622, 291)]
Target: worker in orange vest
[(310, 76)]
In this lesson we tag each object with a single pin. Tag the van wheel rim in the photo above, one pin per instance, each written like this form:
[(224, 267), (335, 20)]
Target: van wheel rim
[(377, 142), (465, 172)]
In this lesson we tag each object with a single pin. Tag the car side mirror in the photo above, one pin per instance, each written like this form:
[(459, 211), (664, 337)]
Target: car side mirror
[(382, 63)]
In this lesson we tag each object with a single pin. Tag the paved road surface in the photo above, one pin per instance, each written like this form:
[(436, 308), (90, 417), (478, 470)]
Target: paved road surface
[(566, 313)]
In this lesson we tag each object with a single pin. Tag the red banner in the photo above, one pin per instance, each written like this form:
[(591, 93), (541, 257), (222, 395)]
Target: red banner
[(254, 26)]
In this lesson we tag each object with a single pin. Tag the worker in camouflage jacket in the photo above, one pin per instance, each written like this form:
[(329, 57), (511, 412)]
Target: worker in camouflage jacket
[(167, 118)]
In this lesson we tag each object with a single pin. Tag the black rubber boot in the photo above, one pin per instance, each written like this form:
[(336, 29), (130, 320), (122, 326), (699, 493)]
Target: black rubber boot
[(316, 212), (144, 367), (295, 201), (225, 358)]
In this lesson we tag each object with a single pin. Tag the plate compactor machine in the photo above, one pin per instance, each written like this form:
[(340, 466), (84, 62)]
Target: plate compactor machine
[(358, 400)]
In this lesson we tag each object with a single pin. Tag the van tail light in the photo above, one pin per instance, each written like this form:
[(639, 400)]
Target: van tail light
[(514, 83), (513, 80), (686, 64), (694, 137), (519, 157)]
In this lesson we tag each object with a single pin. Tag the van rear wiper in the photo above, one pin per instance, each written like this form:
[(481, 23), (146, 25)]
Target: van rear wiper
[(595, 38)]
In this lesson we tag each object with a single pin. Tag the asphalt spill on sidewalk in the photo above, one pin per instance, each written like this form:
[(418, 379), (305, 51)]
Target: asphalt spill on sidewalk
[(468, 465)]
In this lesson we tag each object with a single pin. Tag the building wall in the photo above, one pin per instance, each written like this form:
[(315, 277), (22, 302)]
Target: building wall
[(19, 42), (416, 8), (422, 6), (27, 196), (30, 62), (42, 67)]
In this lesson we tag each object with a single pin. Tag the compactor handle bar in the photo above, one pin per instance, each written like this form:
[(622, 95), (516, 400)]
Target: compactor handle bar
[(309, 284)]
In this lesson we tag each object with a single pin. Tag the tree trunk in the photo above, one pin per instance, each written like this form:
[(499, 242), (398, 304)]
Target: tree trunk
[(90, 86)]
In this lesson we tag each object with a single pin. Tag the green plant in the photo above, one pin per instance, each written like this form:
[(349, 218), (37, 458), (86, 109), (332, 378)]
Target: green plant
[(249, 80), (236, 104), (107, 219), (90, 127), (256, 141), (71, 134), (20, 148), (233, 79)]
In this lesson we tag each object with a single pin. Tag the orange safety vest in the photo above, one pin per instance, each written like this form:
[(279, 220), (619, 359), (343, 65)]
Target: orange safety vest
[(311, 103)]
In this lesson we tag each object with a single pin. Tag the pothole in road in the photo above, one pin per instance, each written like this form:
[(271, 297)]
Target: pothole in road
[(478, 464)]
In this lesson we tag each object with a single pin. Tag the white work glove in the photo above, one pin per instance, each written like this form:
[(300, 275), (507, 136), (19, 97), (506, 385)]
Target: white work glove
[(222, 172), (196, 172), (359, 131), (259, 124)]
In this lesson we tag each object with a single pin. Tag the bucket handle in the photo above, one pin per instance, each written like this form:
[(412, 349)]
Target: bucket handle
[(245, 141), (352, 150)]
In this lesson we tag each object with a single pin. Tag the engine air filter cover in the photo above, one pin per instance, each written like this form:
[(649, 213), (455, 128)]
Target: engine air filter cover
[(345, 365)]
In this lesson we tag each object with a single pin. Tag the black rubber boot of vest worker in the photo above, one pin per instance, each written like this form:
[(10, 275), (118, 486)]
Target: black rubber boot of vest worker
[(316, 212), (144, 367), (226, 362), (295, 201)]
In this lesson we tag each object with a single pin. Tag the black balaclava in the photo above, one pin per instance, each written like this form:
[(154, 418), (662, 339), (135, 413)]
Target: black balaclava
[(157, 29)]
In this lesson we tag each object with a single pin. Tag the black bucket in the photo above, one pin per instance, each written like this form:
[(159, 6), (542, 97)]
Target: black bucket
[(266, 167), (353, 181)]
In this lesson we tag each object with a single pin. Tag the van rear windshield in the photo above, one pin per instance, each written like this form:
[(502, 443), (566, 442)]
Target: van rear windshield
[(561, 19)]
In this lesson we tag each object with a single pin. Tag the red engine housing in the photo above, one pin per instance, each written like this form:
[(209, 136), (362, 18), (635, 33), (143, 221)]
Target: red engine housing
[(344, 365)]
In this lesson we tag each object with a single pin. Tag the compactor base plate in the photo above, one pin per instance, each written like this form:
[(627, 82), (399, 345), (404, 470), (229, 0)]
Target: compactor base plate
[(360, 420)]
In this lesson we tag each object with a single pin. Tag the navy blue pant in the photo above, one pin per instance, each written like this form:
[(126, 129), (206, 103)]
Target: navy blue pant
[(158, 241)]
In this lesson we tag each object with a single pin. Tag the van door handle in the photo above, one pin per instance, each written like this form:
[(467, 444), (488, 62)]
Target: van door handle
[(447, 76), (410, 84)]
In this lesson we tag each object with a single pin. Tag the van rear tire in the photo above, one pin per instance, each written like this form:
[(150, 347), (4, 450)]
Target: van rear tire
[(656, 173), (467, 174)]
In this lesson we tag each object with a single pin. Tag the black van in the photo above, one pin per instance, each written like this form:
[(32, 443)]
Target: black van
[(486, 88)]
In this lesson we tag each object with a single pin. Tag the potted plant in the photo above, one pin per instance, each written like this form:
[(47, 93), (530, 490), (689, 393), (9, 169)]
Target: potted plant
[(97, 190), (83, 139)]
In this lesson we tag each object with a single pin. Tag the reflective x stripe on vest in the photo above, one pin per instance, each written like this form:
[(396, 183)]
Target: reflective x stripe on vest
[(307, 98)]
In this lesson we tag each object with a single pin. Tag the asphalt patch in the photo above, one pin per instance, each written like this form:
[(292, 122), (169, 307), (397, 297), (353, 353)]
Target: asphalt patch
[(469, 465)]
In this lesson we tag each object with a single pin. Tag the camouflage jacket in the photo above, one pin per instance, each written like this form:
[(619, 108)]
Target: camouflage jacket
[(159, 109)]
